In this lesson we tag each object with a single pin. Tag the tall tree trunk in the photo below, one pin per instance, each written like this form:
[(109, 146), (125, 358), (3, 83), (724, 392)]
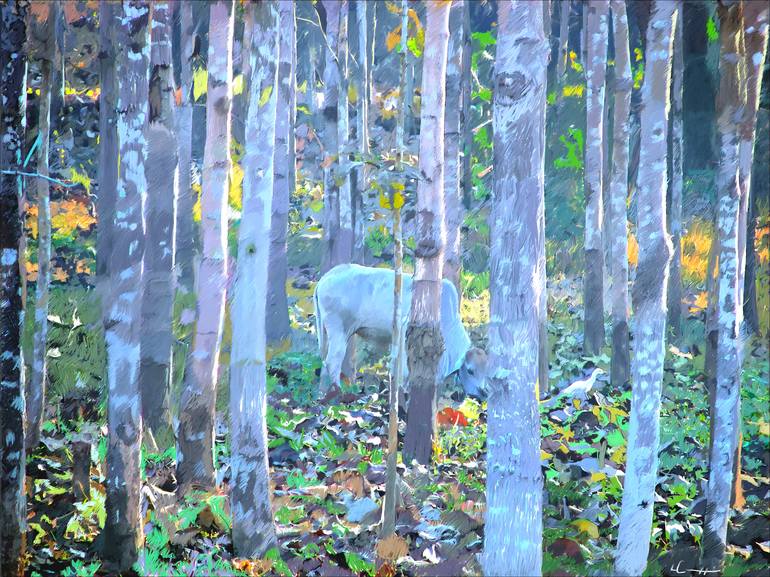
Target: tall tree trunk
[(424, 341), (513, 531), (162, 181), (330, 134), (186, 230), (397, 341), (277, 326), (253, 530), (676, 185), (362, 131), (46, 53), (344, 242), (593, 283), (13, 86), (466, 122), (561, 64), (750, 308), (740, 66), (107, 175), (123, 529), (618, 226), (452, 138), (195, 434), (649, 299)]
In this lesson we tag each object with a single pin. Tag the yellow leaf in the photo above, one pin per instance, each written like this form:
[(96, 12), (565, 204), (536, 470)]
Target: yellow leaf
[(544, 456), (633, 250), (80, 178), (235, 194), (587, 527), (393, 38), (200, 81), (352, 93), (238, 85), (573, 90), (197, 206), (384, 201), (265, 96), (595, 477), (398, 200)]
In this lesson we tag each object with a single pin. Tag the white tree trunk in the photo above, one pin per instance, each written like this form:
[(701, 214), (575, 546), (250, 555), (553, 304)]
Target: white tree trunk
[(649, 296), (362, 130), (195, 432), (278, 327), (618, 226), (123, 529), (345, 240), (452, 138), (597, 13), (253, 531), (330, 135), (160, 220), (514, 527), (424, 340)]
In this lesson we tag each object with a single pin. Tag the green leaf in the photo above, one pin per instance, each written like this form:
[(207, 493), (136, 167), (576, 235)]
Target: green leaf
[(414, 47), (485, 39), (711, 30)]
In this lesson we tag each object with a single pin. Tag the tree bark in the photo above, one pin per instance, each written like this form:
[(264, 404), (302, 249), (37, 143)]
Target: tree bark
[(740, 66), (561, 64), (253, 530), (452, 139), (424, 341), (277, 326), (344, 243), (195, 433), (123, 530), (750, 308), (362, 132), (162, 181), (618, 227), (46, 54), (466, 122), (513, 529), (676, 185), (330, 135), (649, 296), (593, 284), (13, 86), (186, 230), (397, 343)]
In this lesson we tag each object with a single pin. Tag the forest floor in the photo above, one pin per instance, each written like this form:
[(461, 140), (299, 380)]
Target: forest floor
[(328, 479)]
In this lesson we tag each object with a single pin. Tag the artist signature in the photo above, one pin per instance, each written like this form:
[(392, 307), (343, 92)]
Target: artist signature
[(679, 571)]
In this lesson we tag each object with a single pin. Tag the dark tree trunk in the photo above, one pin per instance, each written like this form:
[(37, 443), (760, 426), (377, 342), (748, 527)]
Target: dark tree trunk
[(13, 504)]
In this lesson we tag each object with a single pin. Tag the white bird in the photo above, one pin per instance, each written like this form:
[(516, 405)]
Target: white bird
[(578, 389)]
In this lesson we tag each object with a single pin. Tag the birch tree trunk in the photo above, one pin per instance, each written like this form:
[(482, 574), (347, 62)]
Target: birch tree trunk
[(362, 132), (561, 64), (13, 87), (513, 530), (466, 122), (107, 175), (123, 529), (46, 54), (620, 370), (424, 341), (160, 216), (597, 12), (397, 343), (676, 185), (330, 134), (253, 530), (649, 298), (277, 325), (344, 242), (452, 139), (736, 101), (186, 230), (195, 432)]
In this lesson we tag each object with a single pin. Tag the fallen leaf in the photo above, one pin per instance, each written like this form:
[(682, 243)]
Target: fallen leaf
[(392, 548)]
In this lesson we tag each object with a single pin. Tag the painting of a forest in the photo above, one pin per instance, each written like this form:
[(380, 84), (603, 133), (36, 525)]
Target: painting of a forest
[(384, 288)]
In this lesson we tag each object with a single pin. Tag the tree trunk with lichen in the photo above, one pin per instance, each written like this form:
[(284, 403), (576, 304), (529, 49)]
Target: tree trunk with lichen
[(424, 342), (13, 86), (649, 299), (253, 529), (195, 431), (597, 17), (513, 534), (123, 530), (618, 226)]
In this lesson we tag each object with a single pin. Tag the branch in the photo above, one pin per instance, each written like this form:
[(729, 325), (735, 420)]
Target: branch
[(38, 175)]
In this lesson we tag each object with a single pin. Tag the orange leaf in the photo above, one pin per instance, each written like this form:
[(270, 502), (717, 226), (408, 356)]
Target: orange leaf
[(449, 417)]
